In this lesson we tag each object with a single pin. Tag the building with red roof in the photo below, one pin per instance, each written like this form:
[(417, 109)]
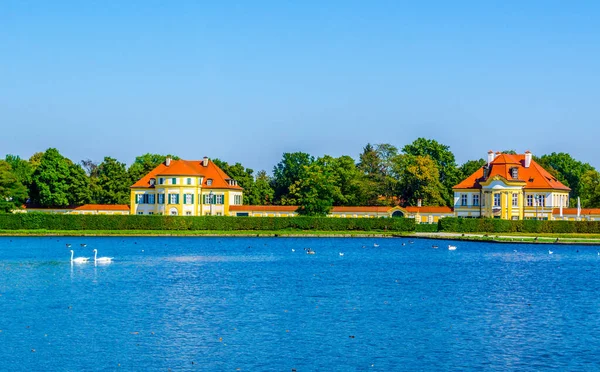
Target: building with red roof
[(185, 188), (512, 187)]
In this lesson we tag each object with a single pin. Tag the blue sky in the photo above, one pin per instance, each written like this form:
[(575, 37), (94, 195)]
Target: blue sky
[(246, 81)]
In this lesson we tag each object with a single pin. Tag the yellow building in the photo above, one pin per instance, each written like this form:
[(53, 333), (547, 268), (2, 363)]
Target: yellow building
[(185, 188), (420, 214), (511, 187)]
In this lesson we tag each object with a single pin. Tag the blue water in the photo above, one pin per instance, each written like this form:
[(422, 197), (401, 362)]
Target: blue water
[(252, 304)]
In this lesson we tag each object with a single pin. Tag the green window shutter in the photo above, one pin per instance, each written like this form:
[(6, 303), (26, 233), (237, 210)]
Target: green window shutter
[(184, 201), (204, 199), (177, 199), (192, 198)]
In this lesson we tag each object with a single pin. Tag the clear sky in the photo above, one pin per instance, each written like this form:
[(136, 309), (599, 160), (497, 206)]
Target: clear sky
[(246, 81)]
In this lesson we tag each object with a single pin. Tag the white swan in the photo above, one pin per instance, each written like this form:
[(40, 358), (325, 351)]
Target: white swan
[(375, 245), (341, 253), (451, 247), (550, 252), (101, 259), (78, 259)]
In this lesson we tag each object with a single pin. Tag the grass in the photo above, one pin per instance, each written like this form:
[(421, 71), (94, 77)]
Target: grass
[(44, 232)]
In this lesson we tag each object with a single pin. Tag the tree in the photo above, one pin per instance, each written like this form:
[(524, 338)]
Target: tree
[(262, 193), (314, 192), (143, 164), (444, 159), (569, 171), (79, 186), (377, 183), (244, 177), (90, 167), (469, 167), (13, 193), (287, 172), (50, 186), (590, 189), (22, 169), (113, 182), (418, 179)]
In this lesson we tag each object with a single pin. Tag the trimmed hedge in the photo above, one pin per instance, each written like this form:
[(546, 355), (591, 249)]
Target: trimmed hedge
[(491, 225), (37, 221), (427, 227)]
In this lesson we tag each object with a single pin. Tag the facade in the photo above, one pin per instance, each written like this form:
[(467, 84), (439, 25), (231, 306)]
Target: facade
[(185, 188), (512, 187), (101, 209), (420, 214)]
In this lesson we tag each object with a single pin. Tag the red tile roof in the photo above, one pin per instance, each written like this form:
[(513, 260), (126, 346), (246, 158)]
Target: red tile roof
[(573, 211), (189, 168), (103, 207), (354, 209), (535, 177), (429, 209)]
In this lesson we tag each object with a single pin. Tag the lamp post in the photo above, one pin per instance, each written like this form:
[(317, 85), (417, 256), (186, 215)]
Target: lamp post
[(210, 201)]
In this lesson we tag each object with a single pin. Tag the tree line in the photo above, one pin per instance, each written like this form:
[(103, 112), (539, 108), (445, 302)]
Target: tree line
[(382, 175)]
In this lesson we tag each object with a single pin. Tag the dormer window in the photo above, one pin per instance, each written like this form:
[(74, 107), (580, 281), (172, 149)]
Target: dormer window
[(152, 181), (209, 182), (514, 172), (161, 181)]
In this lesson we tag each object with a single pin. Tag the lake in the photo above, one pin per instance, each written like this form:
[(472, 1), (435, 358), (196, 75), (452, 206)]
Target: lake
[(263, 304)]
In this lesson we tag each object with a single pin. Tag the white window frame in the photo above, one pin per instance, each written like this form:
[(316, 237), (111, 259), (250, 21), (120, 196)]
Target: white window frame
[(172, 198), (497, 200), (464, 200), (476, 200), (530, 200), (187, 199), (515, 200)]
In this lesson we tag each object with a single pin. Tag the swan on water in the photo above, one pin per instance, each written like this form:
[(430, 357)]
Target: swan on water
[(375, 245), (78, 259), (101, 259), (341, 253), (451, 247), (550, 252)]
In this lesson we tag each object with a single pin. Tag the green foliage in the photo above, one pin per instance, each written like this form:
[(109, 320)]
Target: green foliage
[(490, 225), (418, 179), (79, 186), (443, 157), (289, 170), (50, 187), (255, 192), (12, 192), (590, 189), (143, 164), (469, 167), (426, 227), (37, 221), (262, 193), (22, 169), (569, 171), (377, 183), (314, 192), (113, 182)]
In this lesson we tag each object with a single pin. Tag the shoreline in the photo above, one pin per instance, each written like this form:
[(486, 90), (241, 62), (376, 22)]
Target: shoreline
[(556, 239)]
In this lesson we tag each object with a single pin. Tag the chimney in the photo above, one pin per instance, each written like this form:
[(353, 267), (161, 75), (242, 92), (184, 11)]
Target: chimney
[(168, 161), (205, 161), (419, 202), (490, 156), (528, 158)]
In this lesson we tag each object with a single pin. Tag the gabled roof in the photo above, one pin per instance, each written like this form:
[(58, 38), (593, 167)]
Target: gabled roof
[(535, 177), (103, 207), (192, 168)]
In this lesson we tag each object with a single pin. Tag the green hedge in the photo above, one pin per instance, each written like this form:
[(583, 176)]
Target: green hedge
[(452, 224), (427, 227), (37, 221)]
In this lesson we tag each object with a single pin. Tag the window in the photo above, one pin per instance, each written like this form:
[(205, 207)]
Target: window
[(173, 181), (496, 200), (483, 200), (189, 181), (515, 199), (188, 199), (173, 199), (514, 172), (151, 198), (140, 213), (209, 182), (541, 202), (150, 212), (530, 200), (476, 200), (161, 181), (161, 198), (152, 181), (463, 199), (139, 198), (188, 213), (219, 199), (237, 200), (173, 213)]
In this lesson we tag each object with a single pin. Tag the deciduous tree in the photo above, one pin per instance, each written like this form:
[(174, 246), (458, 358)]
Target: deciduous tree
[(50, 187), (113, 182), (289, 170), (13, 193)]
